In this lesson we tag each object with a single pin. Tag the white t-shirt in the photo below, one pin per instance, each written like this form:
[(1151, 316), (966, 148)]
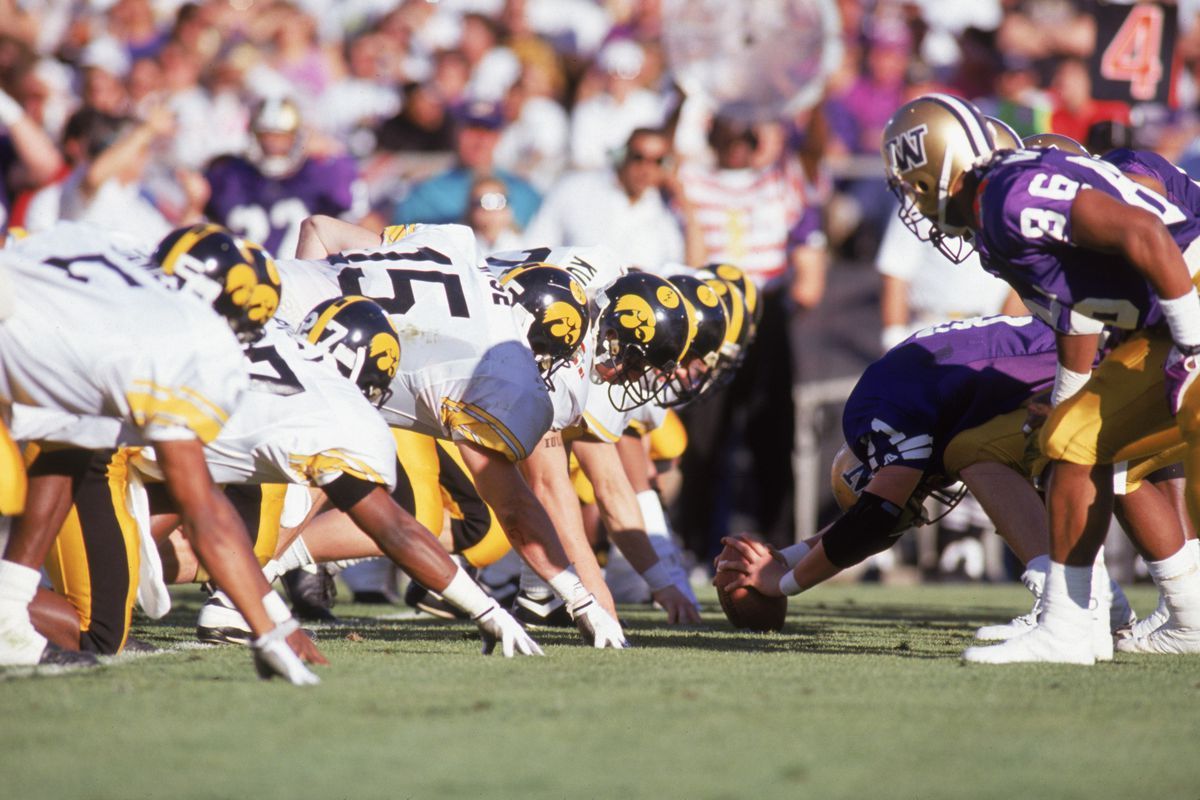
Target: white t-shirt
[(591, 208), (600, 125)]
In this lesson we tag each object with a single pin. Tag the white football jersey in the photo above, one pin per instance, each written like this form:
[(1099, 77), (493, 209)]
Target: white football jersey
[(595, 267), (300, 422), (465, 371), (94, 334)]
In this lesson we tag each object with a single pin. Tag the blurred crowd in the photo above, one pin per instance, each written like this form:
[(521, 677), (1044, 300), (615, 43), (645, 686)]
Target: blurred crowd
[(542, 123)]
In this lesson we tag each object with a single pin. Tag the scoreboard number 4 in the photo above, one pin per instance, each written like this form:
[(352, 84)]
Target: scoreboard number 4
[(1134, 55)]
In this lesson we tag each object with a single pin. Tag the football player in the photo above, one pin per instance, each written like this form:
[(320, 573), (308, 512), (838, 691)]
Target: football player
[(946, 404), (267, 194), (303, 422), (467, 373), (169, 370), (1084, 246)]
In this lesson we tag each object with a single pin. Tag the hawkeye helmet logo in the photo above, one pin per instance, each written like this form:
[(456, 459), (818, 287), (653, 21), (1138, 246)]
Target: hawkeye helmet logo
[(635, 314), (907, 151), (564, 322), (385, 349)]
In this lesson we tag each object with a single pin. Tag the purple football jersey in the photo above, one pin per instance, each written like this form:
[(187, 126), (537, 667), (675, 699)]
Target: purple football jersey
[(1181, 189), (909, 405), (269, 210), (1025, 238)]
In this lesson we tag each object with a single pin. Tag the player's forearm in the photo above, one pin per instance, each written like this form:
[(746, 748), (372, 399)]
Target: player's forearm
[(321, 236), (404, 540)]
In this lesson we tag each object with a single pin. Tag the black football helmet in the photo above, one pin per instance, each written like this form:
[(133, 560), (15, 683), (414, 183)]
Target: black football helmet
[(236, 277), (361, 339), (749, 290), (740, 328), (557, 312), (702, 358), (642, 332)]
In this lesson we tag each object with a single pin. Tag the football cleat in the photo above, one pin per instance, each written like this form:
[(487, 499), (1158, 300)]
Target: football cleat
[(1036, 645), (362, 341), (220, 623), (550, 612), (1168, 639), (1144, 627), (929, 144), (311, 593), (56, 656), (1015, 627), (139, 646), (423, 599)]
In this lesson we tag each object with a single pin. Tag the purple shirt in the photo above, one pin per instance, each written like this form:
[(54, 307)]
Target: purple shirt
[(269, 210), (1025, 238), (1181, 189), (909, 405)]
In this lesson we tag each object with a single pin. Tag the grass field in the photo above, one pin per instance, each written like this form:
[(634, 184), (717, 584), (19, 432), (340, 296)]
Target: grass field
[(862, 695)]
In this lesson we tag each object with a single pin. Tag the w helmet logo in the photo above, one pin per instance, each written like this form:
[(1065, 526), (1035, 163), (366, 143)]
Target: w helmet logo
[(907, 151)]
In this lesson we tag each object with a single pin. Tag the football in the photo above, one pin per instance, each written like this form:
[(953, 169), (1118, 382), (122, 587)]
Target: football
[(746, 608)]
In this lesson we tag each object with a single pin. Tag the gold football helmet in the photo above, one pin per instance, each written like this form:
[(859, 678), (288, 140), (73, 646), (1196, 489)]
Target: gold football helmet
[(1003, 134), (928, 145), (1054, 141)]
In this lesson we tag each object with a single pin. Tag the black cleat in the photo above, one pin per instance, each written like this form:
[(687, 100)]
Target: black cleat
[(138, 646), (548, 613), (56, 656), (311, 594), (373, 598), (420, 598)]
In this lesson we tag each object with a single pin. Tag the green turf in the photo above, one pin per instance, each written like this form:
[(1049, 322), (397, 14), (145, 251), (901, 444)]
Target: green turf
[(861, 696)]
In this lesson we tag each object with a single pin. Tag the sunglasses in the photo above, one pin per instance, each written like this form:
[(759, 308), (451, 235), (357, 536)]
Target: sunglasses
[(636, 157)]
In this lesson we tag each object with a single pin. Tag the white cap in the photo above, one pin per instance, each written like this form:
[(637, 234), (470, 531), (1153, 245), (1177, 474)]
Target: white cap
[(622, 58), (107, 54)]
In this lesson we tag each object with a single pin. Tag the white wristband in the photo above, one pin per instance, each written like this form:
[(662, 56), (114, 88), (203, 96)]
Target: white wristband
[(652, 513), (567, 585), (1066, 384), (465, 594), (788, 585), (10, 109), (1183, 318), (277, 610), (795, 553), (658, 576)]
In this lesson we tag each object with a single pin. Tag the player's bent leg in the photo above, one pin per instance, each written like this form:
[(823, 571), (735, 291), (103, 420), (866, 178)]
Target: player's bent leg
[(13, 485)]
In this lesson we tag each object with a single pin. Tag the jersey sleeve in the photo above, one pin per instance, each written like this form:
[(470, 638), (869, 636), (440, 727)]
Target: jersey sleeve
[(892, 437), (500, 413), (602, 419), (338, 178)]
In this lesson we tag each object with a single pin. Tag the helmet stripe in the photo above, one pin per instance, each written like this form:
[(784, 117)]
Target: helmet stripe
[(968, 117)]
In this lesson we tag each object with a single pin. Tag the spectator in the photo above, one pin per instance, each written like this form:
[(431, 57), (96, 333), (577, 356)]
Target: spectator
[(622, 207), (443, 197), (602, 123), (266, 195), (366, 95), (423, 124), (490, 217), (28, 157), (105, 65), (107, 189), (534, 144), (762, 220), (1075, 112)]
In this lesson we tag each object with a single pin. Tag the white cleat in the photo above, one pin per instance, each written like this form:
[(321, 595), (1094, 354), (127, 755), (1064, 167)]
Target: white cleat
[(20, 644), (1121, 616), (220, 623), (1144, 627), (1169, 639), (1037, 646), (1018, 626)]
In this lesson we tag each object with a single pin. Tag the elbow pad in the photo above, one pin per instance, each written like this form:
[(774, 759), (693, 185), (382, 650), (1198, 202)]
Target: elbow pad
[(347, 490), (868, 527)]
